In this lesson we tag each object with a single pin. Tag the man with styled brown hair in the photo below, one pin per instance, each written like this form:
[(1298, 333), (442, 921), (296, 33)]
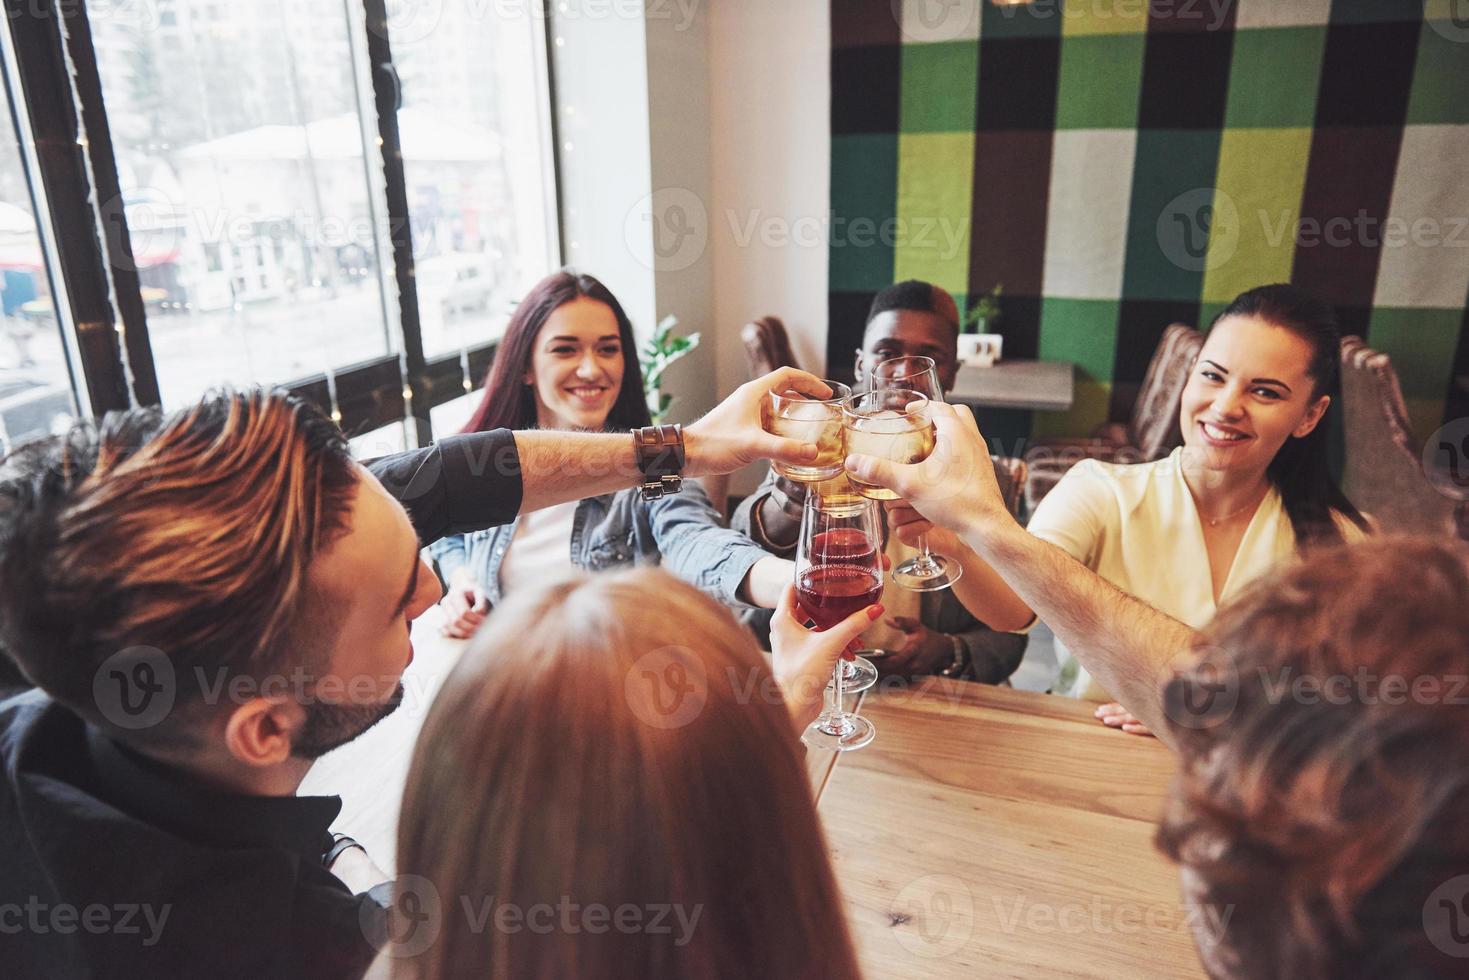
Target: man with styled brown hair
[(207, 602)]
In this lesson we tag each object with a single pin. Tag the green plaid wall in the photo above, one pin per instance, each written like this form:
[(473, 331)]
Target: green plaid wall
[(1120, 165)]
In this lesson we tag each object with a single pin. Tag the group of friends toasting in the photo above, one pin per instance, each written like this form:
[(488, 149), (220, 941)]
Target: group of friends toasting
[(190, 561)]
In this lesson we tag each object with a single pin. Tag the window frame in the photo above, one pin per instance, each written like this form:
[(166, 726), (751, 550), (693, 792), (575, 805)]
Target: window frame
[(75, 157)]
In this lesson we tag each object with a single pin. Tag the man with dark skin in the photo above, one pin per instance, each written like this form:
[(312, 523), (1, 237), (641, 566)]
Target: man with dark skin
[(931, 632)]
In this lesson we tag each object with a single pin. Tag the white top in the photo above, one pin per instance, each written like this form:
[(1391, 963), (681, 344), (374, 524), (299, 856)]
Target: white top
[(1136, 526), (540, 550)]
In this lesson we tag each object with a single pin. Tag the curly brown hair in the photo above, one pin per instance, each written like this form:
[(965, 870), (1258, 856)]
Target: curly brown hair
[(1326, 801)]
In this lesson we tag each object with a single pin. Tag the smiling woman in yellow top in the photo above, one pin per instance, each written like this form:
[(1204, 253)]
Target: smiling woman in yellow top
[(1249, 488)]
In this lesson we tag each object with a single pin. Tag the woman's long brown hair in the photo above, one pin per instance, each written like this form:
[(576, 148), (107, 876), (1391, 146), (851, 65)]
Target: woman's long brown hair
[(618, 741)]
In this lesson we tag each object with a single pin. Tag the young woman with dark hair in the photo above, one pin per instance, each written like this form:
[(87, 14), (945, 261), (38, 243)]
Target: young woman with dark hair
[(1248, 490), (566, 362)]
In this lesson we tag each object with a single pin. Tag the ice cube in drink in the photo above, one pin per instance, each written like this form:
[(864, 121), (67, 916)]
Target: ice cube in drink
[(899, 436), (815, 422)]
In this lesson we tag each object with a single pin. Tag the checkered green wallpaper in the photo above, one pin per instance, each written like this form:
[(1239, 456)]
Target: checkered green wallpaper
[(1123, 164)]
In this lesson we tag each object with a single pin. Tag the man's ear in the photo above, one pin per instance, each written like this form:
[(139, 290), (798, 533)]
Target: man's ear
[(259, 732), (1313, 417)]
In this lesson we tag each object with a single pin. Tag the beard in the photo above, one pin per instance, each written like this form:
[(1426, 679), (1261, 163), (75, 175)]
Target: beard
[(329, 726)]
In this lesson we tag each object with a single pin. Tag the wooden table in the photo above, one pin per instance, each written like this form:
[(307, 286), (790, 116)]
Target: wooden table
[(1043, 385), (989, 832)]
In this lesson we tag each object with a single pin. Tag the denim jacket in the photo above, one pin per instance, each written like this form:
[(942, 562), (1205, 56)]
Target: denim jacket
[(680, 531)]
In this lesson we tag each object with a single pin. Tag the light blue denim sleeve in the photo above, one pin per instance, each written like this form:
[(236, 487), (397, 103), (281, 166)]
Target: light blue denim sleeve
[(450, 553), (698, 550)]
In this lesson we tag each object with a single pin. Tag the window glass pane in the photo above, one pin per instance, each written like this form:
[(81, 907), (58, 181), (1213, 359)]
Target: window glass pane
[(450, 417), (35, 384), (239, 145), (478, 171), (392, 438)]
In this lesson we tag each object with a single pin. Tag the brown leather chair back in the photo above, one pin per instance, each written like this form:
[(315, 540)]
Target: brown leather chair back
[(767, 346), (1383, 472), (1010, 473), (1153, 428)]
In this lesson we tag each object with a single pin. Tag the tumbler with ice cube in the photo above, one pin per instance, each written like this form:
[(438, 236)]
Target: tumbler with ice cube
[(805, 418)]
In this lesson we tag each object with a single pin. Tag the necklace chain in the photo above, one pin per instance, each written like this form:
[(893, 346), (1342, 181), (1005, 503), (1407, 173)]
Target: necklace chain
[(1216, 521)]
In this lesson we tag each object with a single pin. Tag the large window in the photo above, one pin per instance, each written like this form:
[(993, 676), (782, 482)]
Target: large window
[(476, 159), (239, 146), (265, 199), (35, 377)]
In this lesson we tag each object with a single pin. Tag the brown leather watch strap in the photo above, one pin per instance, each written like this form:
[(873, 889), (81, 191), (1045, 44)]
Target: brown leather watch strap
[(660, 451)]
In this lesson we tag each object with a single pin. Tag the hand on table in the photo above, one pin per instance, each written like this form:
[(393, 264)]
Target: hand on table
[(1114, 715), (465, 607), (804, 659), (923, 651), (732, 434)]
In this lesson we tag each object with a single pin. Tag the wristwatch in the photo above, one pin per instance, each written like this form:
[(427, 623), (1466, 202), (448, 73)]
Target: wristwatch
[(660, 452), (960, 663)]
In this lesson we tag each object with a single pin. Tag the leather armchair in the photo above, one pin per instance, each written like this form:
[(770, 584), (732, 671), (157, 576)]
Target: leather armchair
[(1383, 473), (767, 346), (1150, 433)]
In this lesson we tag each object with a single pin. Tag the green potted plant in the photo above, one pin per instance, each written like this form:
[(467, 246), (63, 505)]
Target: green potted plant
[(979, 345), (654, 357)]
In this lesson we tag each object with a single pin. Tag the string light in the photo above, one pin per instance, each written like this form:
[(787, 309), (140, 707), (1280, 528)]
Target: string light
[(331, 393)]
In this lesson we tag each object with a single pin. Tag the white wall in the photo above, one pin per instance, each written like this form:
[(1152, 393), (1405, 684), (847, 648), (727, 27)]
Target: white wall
[(770, 151), (770, 103), (698, 175)]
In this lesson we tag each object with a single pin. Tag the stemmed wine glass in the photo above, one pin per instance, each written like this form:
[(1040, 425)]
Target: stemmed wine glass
[(838, 572), (926, 571)]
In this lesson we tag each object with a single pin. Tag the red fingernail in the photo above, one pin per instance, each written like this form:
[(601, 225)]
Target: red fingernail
[(875, 611)]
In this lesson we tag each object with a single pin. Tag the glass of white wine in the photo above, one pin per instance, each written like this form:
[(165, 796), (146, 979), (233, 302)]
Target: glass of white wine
[(805, 418), (925, 572), (889, 423)]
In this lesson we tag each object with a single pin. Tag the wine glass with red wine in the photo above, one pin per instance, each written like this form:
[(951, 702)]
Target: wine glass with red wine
[(838, 572)]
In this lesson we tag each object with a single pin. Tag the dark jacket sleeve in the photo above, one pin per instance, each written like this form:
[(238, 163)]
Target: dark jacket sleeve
[(746, 521), (459, 484), (993, 656)]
